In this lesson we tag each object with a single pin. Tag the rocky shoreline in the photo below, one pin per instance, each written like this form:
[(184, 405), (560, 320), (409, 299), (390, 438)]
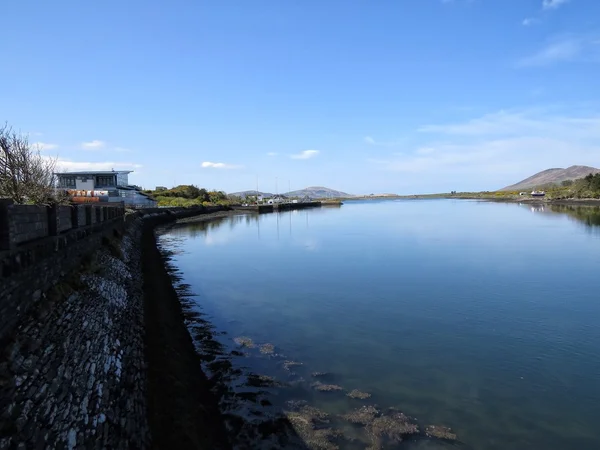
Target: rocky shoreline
[(182, 411)]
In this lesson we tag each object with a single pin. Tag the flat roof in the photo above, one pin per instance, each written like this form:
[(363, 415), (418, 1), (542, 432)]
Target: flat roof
[(94, 172)]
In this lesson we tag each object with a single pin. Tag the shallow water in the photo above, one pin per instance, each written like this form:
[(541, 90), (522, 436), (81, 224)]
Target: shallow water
[(479, 316)]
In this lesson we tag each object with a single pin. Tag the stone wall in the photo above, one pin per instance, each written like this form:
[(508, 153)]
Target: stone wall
[(64, 222), (30, 268), (73, 370), (26, 223), (20, 224)]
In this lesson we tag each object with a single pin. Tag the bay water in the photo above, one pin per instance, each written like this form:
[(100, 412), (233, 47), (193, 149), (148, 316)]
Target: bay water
[(481, 316)]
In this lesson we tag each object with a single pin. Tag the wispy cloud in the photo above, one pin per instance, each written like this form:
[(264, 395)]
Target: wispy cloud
[(218, 165), (122, 149), (529, 21), (564, 49), (69, 165), (272, 154), (371, 141), (93, 145), (553, 4), (44, 146), (521, 123), (499, 148), (306, 154)]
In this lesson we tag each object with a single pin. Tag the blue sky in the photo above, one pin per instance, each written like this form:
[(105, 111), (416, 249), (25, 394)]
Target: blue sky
[(362, 96)]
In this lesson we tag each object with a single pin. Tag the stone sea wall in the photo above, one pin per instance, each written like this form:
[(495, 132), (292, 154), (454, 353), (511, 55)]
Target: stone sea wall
[(72, 371), (74, 341)]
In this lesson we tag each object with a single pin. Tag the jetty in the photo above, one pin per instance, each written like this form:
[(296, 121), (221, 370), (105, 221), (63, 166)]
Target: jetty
[(276, 207)]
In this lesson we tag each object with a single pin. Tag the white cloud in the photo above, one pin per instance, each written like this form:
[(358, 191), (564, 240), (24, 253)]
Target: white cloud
[(70, 166), (522, 123), (44, 146), (553, 4), (561, 50), (371, 141), (214, 165), (93, 145), (565, 48), (306, 154), (500, 148), (272, 154), (530, 21)]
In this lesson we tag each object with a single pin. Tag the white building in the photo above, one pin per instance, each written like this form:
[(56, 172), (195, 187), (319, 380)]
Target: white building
[(277, 199), (102, 186)]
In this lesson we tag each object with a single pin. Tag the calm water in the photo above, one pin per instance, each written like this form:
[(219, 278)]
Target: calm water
[(481, 316)]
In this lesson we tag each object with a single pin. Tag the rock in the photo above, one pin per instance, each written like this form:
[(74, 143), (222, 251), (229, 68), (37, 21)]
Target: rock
[(440, 432), (319, 374), (309, 424), (355, 393), (255, 380), (244, 342), (267, 349), (326, 387), (288, 364), (363, 416), (395, 427)]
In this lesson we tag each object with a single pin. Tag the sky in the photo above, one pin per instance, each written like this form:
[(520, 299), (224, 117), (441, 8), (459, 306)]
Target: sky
[(363, 96)]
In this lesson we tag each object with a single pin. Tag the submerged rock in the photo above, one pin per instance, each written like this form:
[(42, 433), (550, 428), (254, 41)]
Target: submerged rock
[(319, 374), (394, 426), (296, 404), (362, 416), (308, 423), (255, 380), (244, 341), (267, 349), (440, 432), (288, 364), (355, 393), (326, 387)]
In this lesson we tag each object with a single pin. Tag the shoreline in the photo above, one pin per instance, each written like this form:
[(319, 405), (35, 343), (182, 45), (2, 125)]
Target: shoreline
[(539, 200), (182, 410)]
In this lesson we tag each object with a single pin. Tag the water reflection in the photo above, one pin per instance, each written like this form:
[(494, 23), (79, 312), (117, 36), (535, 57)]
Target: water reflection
[(203, 227), (589, 216)]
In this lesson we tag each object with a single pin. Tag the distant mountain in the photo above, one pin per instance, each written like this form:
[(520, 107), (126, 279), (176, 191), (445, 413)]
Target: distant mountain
[(245, 194), (317, 192), (551, 176)]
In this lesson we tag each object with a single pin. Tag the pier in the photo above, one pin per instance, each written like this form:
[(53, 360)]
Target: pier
[(276, 207)]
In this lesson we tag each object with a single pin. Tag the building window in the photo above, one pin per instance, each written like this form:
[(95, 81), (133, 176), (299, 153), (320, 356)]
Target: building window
[(67, 182), (103, 181)]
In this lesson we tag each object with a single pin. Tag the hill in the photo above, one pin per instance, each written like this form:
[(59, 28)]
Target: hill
[(317, 192), (552, 177), (245, 194)]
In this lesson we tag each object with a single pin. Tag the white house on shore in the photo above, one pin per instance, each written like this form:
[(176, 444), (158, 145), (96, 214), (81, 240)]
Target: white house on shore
[(102, 186)]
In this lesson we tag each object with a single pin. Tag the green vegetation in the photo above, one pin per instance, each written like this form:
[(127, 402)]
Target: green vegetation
[(583, 188), (190, 195)]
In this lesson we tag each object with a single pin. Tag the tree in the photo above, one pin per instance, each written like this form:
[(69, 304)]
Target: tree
[(192, 191), (25, 175), (203, 195)]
